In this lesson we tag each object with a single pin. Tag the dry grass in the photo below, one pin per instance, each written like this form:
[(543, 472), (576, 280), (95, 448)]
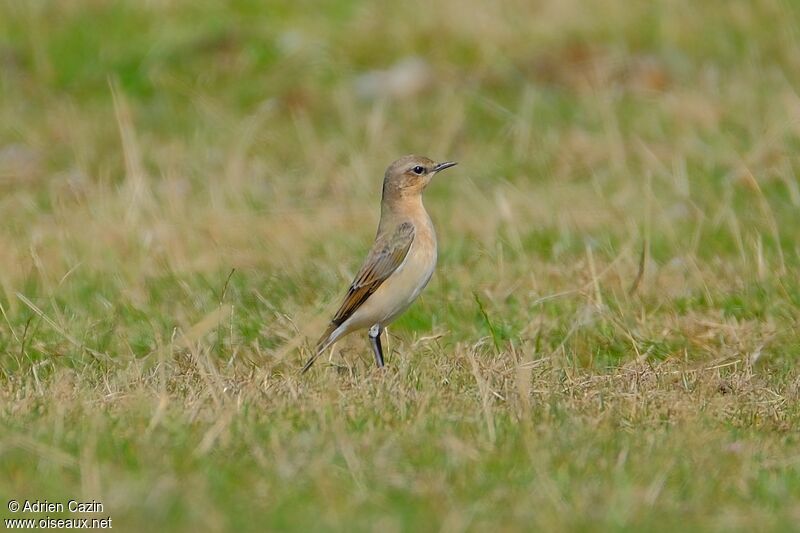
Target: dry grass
[(611, 337)]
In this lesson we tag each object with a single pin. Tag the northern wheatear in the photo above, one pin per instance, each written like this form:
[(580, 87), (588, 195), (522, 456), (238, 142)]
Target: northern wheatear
[(401, 260)]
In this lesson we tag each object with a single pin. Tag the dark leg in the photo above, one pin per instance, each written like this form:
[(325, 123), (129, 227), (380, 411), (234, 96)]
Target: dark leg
[(375, 338)]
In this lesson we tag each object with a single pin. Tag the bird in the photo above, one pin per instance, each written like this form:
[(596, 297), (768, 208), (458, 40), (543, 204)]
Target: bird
[(399, 264)]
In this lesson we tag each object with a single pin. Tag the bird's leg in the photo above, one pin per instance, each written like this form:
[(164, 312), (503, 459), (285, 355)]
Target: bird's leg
[(375, 339)]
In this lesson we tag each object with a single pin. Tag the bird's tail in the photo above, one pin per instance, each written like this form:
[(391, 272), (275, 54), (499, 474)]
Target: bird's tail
[(322, 344)]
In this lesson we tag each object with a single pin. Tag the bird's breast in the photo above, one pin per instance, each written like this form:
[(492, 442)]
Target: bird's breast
[(405, 284), (414, 274)]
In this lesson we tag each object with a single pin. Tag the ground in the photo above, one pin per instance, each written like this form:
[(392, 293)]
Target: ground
[(610, 340)]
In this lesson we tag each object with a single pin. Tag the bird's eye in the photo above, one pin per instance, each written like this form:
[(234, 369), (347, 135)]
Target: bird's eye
[(418, 170)]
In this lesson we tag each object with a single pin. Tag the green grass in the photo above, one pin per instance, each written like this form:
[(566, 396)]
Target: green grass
[(186, 189)]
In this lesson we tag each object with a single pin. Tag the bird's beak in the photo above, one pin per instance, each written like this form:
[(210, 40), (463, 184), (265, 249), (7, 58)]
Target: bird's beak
[(442, 166)]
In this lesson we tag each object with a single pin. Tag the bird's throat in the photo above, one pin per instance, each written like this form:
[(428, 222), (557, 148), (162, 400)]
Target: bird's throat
[(396, 209)]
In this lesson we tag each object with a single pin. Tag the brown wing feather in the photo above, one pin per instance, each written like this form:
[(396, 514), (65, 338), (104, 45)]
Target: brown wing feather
[(387, 254)]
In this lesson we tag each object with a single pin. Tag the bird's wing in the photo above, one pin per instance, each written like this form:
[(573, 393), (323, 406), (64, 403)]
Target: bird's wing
[(387, 254)]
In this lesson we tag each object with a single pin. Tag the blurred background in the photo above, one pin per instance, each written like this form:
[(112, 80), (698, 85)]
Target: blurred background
[(203, 178), (158, 138)]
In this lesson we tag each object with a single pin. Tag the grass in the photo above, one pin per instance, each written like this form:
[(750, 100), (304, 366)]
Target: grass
[(610, 341)]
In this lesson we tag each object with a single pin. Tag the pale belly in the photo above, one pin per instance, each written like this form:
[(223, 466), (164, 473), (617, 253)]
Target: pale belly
[(398, 292)]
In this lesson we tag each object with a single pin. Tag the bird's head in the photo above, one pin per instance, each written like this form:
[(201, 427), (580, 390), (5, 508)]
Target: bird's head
[(409, 175)]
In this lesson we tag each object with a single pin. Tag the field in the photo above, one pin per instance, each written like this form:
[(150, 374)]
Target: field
[(610, 341)]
